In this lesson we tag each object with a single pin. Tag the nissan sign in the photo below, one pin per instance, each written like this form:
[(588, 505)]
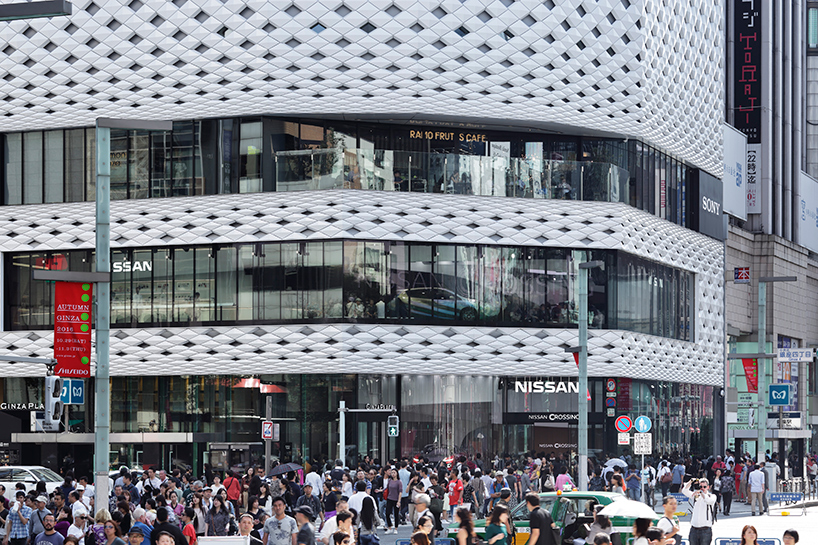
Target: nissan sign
[(545, 387)]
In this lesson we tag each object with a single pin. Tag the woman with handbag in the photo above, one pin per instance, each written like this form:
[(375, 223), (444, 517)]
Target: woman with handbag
[(368, 522), (665, 477), (394, 489), (218, 517), (415, 489), (437, 494)]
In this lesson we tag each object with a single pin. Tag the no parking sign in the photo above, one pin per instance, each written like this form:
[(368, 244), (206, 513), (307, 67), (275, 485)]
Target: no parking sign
[(623, 424)]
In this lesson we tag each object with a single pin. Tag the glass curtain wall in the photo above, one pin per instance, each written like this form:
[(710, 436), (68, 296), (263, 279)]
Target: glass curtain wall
[(369, 282), (220, 156)]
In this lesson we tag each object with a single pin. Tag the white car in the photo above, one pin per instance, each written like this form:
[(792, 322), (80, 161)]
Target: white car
[(30, 476)]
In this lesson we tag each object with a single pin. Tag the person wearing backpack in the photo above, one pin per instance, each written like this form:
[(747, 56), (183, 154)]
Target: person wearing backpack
[(669, 523), (704, 512)]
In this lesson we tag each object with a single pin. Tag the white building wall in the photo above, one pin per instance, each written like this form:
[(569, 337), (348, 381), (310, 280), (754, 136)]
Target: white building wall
[(635, 68), (398, 348)]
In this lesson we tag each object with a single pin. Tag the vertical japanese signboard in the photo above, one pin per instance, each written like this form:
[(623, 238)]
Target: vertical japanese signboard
[(72, 328), (747, 72), (747, 89)]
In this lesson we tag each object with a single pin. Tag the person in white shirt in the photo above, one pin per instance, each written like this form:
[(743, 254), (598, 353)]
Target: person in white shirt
[(424, 474), (356, 502), (90, 491), (648, 483), (756, 483), (331, 524), (669, 523), (314, 479), (151, 480), (701, 523), (79, 527)]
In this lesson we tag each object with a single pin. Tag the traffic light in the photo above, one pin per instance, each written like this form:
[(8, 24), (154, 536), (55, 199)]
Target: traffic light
[(53, 403), (392, 426)]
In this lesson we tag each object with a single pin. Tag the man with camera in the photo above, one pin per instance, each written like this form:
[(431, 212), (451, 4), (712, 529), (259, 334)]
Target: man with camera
[(704, 511)]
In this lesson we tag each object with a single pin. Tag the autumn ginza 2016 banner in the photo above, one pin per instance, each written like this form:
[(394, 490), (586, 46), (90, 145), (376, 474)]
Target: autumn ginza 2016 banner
[(72, 328)]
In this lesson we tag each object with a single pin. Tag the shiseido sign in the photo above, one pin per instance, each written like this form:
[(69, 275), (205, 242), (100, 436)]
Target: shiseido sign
[(545, 387)]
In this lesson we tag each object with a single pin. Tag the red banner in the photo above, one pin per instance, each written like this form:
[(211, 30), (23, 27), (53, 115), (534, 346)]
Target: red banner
[(751, 374), (576, 360), (72, 328)]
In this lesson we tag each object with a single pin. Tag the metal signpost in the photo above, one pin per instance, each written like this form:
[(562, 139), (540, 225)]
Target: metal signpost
[(582, 365), (102, 391), (342, 435)]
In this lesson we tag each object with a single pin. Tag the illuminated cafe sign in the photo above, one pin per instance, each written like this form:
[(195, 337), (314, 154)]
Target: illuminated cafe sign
[(545, 387)]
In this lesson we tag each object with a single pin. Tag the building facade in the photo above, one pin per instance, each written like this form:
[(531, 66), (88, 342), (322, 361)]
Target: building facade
[(770, 97), (385, 207)]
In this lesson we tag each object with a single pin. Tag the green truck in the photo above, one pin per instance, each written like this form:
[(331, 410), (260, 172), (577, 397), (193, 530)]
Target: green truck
[(571, 511)]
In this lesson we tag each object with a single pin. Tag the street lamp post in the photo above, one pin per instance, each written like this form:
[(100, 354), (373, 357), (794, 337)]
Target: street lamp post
[(102, 387), (582, 364), (762, 360)]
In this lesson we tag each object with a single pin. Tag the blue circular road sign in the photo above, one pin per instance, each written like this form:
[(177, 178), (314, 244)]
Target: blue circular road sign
[(642, 424)]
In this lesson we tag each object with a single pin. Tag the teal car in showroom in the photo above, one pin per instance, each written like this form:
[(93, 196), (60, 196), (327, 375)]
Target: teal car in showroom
[(437, 303)]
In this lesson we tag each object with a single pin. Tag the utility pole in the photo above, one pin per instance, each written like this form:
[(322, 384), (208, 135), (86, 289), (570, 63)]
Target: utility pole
[(582, 364), (102, 382)]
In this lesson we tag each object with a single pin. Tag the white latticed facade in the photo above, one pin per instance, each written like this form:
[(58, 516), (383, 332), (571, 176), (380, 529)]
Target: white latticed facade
[(640, 68), (400, 348)]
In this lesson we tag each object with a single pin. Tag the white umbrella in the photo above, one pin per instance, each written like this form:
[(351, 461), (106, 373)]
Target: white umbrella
[(630, 509), (609, 465)]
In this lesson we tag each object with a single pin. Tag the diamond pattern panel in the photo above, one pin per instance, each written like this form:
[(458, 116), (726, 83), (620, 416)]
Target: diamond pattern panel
[(388, 216), (389, 349), (646, 68)]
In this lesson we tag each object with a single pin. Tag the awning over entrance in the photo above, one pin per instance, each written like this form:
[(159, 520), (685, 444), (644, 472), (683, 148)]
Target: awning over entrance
[(771, 434), (88, 438)]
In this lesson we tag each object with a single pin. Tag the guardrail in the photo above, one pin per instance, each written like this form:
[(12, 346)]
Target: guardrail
[(737, 541)]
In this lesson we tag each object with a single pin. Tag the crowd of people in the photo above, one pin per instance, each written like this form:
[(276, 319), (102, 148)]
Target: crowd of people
[(335, 505)]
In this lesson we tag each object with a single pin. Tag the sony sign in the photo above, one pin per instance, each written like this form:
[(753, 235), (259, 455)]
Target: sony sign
[(705, 207), (545, 387), (127, 266)]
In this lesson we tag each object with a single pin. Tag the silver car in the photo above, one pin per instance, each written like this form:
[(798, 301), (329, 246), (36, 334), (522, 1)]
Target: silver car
[(29, 476)]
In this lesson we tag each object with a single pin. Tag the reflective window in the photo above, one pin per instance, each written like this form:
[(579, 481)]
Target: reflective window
[(369, 282), (13, 175), (33, 167), (53, 164), (250, 157), (74, 165), (222, 156), (119, 164)]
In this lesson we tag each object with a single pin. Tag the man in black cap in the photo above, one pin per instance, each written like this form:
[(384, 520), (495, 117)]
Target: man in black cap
[(162, 525), (310, 500), (304, 516)]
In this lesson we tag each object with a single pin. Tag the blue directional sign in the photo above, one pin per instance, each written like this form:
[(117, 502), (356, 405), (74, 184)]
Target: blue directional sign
[(642, 424), (73, 392), (785, 496), (779, 394)]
